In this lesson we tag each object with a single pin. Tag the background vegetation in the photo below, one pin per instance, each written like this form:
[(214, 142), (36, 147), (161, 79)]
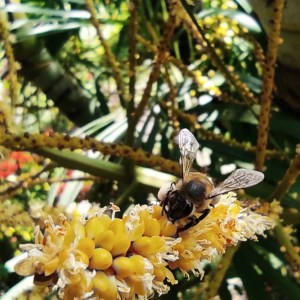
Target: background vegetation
[(79, 76)]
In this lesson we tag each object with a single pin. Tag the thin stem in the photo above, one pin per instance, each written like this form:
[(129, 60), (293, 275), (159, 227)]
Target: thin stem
[(216, 277), (191, 121), (287, 247), (268, 82), (211, 51), (127, 193), (171, 101), (111, 59), (133, 8), (14, 86), (155, 72), (288, 179), (32, 181), (38, 142)]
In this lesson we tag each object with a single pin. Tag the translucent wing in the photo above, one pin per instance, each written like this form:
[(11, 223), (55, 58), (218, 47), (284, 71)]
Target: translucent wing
[(188, 147), (239, 179)]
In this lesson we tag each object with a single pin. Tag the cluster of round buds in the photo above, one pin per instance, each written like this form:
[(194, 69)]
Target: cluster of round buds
[(105, 257)]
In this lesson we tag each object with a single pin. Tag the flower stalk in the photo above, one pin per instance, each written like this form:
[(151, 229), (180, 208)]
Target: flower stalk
[(102, 256), (274, 41), (288, 179), (14, 86), (36, 142), (161, 56), (111, 59)]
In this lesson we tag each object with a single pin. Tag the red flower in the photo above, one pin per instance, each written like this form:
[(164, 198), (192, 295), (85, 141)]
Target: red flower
[(7, 168)]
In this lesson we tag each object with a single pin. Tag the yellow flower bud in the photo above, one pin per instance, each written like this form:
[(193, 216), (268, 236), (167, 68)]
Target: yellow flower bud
[(94, 227), (152, 227), (160, 273), (106, 220), (86, 245), (147, 246), (123, 266), (117, 226), (167, 228), (143, 246), (121, 246), (104, 287), (105, 240), (101, 259), (69, 237), (82, 257), (139, 263), (63, 256), (156, 212), (137, 232), (158, 242), (78, 228), (51, 266)]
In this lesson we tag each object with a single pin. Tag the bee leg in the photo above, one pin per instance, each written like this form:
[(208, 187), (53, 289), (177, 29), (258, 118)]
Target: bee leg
[(194, 221)]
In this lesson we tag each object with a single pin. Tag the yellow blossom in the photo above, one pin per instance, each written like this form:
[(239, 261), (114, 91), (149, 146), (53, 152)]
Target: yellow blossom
[(106, 257)]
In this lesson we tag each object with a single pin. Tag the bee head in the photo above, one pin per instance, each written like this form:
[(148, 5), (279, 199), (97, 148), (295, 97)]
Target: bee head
[(178, 207)]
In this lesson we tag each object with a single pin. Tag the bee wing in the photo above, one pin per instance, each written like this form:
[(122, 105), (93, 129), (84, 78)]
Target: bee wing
[(188, 147), (239, 179)]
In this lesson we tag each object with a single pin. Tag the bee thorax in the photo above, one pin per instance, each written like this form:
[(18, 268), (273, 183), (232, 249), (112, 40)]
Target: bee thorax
[(195, 190)]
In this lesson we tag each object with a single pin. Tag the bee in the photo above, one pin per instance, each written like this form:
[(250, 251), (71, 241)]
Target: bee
[(195, 192)]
